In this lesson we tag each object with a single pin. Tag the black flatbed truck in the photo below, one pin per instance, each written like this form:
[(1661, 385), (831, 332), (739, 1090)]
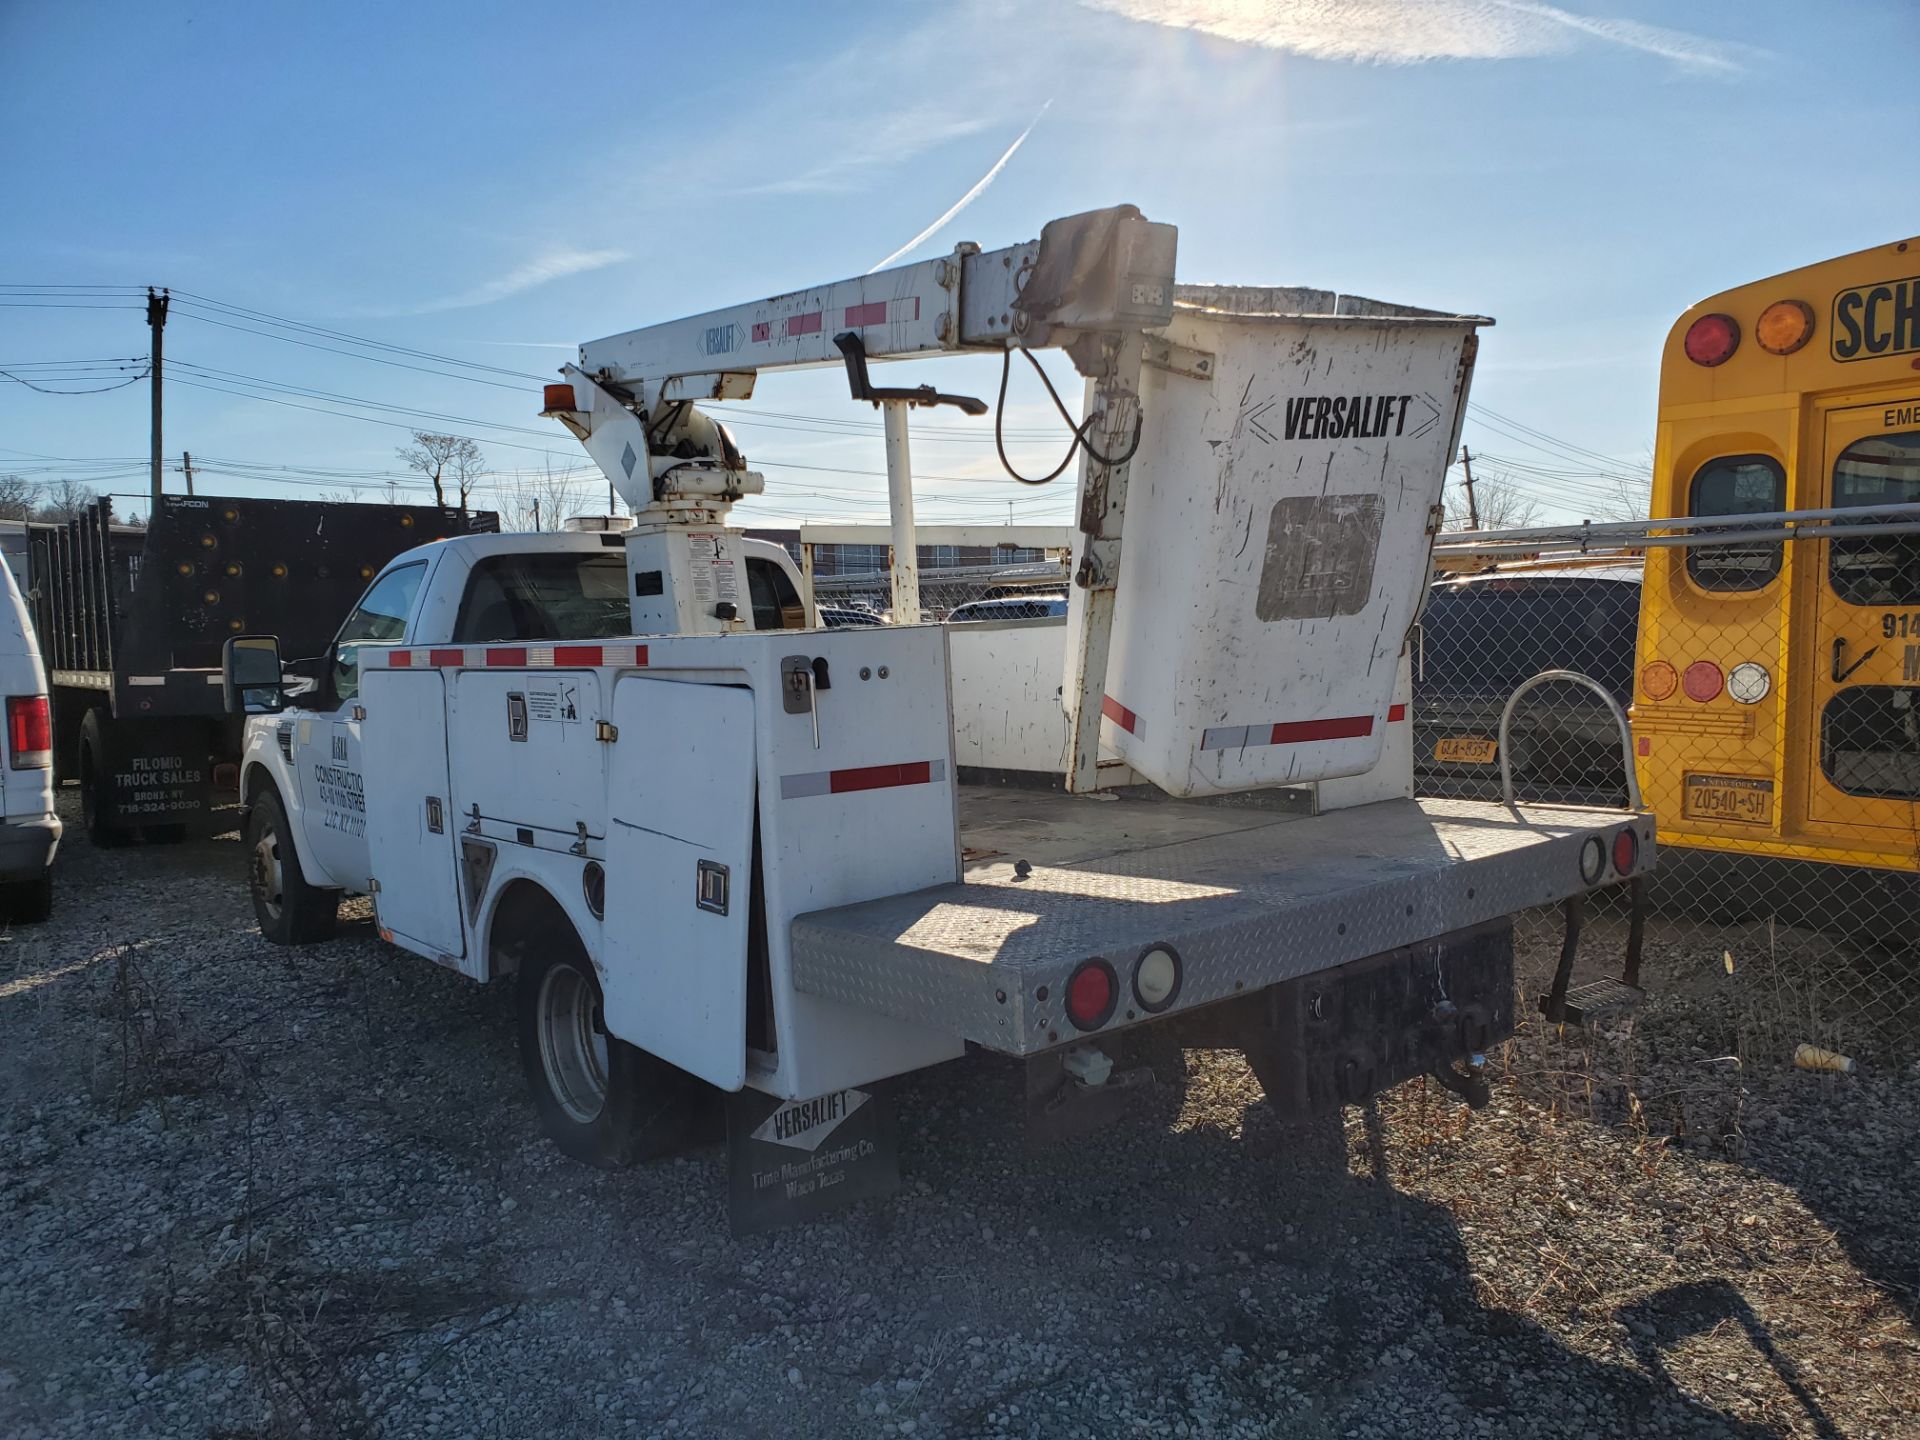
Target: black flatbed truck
[(132, 621)]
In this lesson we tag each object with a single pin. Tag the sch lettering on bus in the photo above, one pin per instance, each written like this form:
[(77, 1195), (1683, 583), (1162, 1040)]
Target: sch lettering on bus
[(1874, 320)]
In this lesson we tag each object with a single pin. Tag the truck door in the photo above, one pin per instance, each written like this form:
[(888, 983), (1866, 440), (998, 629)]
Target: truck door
[(679, 868), (410, 812), (327, 735), (1864, 776)]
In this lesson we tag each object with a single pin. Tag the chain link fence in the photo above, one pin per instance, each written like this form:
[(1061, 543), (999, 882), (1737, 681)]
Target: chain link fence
[(1775, 704)]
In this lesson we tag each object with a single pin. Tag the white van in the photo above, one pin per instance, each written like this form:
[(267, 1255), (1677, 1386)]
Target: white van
[(29, 830)]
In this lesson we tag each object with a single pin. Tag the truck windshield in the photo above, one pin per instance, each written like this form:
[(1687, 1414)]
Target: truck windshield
[(554, 596)]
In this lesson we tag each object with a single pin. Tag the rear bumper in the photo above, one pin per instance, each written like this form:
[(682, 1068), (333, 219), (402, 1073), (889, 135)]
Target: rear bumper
[(27, 845), (989, 959)]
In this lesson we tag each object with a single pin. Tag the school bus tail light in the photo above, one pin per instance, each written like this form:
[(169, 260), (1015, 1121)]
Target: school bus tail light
[(1712, 339), (1784, 326), (1703, 681)]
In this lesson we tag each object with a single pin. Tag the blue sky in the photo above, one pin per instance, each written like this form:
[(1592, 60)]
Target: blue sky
[(493, 183)]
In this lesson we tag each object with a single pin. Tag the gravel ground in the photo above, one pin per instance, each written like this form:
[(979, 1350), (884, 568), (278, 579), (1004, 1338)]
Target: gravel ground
[(254, 1192)]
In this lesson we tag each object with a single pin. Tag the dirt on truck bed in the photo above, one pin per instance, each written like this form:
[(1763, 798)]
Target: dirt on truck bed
[(257, 1192)]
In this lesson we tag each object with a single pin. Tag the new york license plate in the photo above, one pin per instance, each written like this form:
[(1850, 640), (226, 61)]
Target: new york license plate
[(1739, 799), (1465, 749)]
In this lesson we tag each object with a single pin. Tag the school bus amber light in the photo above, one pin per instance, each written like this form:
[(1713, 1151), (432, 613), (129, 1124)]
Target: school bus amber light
[(1784, 326), (1659, 680)]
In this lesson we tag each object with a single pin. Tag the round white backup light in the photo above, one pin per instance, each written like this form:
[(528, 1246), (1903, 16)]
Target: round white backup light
[(1593, 859), (1156, 978), (1749, 683)]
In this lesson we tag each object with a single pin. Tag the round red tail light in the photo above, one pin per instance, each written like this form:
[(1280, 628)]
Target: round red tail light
[(1712, 339), (1092, 991), (1703, 681), (1626, 851)]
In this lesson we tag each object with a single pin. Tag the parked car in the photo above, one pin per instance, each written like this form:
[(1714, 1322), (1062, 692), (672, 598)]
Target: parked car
[(29, 830), (1482, 635), (1010, 607), (842, 617)]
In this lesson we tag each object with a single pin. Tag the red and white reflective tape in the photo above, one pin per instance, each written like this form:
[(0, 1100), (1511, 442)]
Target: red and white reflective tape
[(1120, 715), (902, 310), (866, 777), (1294, 732), (513, 657)]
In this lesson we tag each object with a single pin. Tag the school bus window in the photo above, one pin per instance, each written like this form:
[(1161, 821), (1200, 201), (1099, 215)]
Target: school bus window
[(1880, 470), (1735, 485), (1870, 741)]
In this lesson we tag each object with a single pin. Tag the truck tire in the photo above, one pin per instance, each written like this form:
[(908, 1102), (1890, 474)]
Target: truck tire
[(290, 911), (28, 902), (602, 1101), (96, 794)]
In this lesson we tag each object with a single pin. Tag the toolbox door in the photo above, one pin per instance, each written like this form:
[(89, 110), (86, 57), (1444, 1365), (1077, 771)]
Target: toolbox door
[(679, 874), (409, 816)]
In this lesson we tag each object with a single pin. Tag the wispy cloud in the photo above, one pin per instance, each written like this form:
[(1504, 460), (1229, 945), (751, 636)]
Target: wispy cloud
[(1392, 32), (967, 199), (862, 146), (547, 266)]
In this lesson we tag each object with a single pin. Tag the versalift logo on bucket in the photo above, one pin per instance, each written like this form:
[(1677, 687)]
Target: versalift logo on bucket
[(805, 1124)]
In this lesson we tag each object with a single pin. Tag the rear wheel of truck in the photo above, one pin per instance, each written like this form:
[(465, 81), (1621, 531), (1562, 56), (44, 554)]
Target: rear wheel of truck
[(290, 910), (603, 1102), (27, 902), (96, 787)]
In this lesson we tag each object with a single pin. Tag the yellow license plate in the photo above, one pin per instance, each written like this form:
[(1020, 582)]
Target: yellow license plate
[(1737, 799), (1466, 749)]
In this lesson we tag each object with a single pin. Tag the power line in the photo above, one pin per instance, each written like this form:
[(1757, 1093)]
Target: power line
[(190, 313), (99, 390), (268, 317)]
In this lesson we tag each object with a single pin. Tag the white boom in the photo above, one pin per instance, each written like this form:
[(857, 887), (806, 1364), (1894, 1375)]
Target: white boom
[(1092, 284)]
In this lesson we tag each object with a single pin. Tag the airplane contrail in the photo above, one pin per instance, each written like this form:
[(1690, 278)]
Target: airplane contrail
[(966, 199)]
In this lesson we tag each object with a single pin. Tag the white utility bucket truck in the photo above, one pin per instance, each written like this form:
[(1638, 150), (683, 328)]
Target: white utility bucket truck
[(721, 850)]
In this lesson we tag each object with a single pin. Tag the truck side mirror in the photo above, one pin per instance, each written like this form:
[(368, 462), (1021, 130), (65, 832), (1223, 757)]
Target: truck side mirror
[(250, 675)]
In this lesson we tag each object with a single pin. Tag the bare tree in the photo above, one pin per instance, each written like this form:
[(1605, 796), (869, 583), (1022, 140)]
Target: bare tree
[(17, 497), (349, 496), (65, 499), (1502, 506), (543, 499), (445, 459)]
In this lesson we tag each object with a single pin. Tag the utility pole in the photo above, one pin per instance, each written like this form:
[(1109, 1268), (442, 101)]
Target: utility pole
[(186, 464), (536, 514), (1473, 510), (157, 320)]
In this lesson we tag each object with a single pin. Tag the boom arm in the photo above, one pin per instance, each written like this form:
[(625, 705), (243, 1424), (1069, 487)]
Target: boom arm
[(1101, 273)]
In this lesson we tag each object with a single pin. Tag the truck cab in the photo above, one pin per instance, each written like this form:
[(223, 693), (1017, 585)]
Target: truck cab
[(304, 760)]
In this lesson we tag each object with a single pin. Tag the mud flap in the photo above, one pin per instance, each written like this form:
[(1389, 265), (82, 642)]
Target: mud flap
[(790, 1161), (154, 772), (1338, 1037)]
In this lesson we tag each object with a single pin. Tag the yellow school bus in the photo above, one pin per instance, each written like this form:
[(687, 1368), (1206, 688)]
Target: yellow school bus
[(1777, 702)]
